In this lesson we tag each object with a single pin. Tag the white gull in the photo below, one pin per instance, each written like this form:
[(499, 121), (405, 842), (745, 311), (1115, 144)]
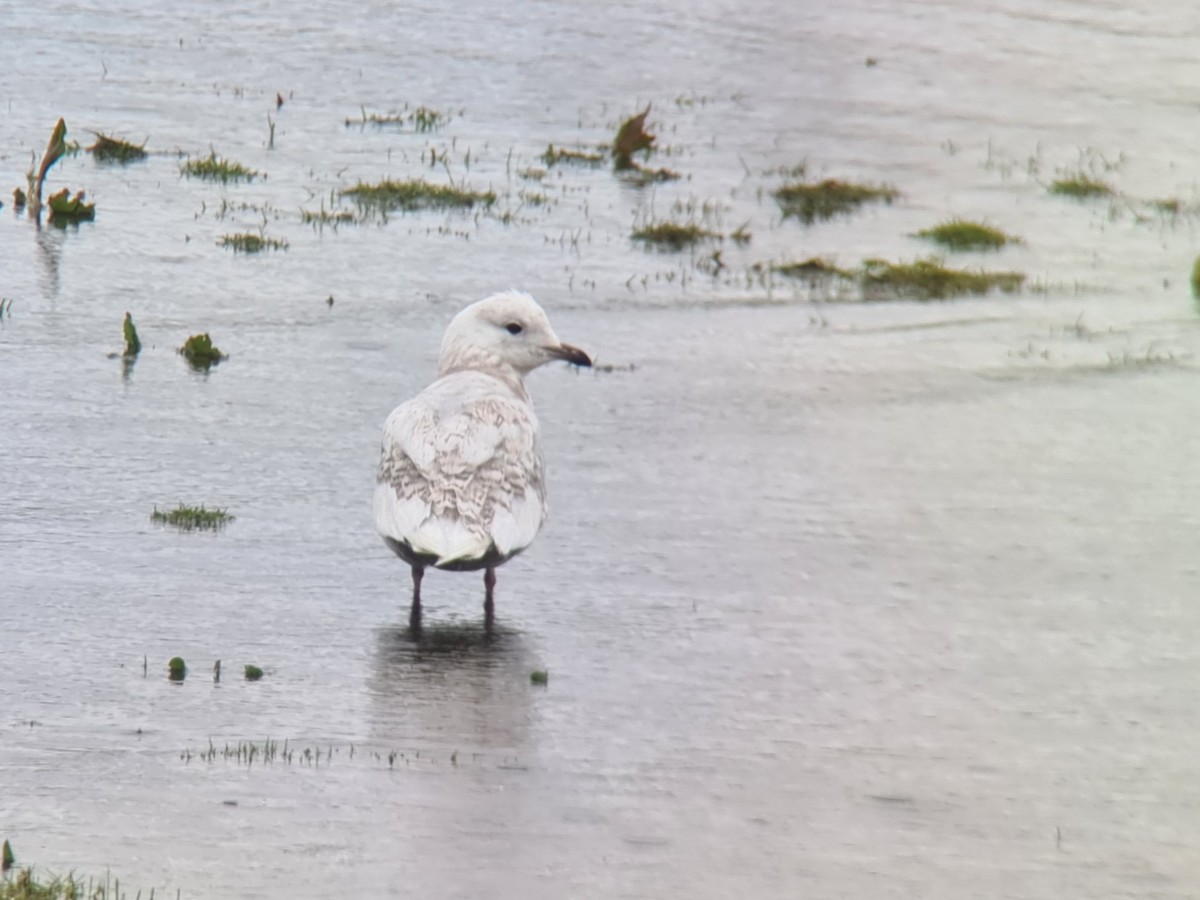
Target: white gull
[(461, 481)]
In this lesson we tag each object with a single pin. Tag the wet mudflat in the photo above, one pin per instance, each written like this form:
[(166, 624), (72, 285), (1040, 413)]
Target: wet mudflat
[(861, 599)]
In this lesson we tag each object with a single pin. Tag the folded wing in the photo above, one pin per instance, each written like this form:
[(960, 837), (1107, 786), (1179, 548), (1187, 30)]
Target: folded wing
[(460, 471)]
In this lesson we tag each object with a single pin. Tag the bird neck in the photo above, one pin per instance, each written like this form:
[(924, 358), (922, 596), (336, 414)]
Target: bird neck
[(465, 358)]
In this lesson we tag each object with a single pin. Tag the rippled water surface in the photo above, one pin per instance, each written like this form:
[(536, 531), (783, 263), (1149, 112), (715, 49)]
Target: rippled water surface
[(837, 599)]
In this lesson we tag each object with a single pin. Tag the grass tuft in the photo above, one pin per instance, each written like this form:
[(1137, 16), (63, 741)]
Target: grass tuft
[(415, 194), (961, 234), (809, 201), (1081, 187), (423, 119), (673, 235), (200, 353), (323, 217), (26, 885), (249, 242), (928, 279), (192, 518), (214, 168), (114, 150)]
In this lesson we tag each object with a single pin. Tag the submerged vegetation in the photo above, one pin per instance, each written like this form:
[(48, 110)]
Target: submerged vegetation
[(214, 168), (928, 279), (108, 149), (200, 353), (961, 234), (249, 242), (192, 518), (415, 194), (810, 201)]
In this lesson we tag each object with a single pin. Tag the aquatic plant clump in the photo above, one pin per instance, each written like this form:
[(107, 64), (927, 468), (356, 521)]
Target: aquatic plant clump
[(928, 279), (133, 345), (214, 168), (555, 155), (632, 137), (192, 518), (809, 201), (812, 269), (66, 209), (114, 150), (199, 351), (415, 194), (251, 243), (961, 234), (673, 235)]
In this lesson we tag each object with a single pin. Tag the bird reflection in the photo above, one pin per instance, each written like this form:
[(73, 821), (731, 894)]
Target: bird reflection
[(451, 683), (49, 244)]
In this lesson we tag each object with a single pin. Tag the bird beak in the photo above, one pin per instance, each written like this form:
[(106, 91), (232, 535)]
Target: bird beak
[(573, 355)]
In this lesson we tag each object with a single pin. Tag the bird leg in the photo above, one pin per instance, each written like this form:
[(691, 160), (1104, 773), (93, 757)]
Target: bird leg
[(414, 614), (489, 607)]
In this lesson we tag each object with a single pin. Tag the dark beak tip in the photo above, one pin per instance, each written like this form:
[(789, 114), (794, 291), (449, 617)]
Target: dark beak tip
[(573, 355)]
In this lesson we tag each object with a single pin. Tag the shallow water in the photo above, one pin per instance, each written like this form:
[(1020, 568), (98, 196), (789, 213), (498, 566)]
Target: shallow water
[(886, 600)]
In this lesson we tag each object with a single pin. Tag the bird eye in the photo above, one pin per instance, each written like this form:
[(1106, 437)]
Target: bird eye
[(513, 328)]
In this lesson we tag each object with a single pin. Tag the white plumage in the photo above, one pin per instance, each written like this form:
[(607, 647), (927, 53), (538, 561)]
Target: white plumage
[(461, 481)]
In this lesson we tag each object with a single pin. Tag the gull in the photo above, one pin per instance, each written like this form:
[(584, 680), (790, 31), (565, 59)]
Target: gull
[(461, 481)]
